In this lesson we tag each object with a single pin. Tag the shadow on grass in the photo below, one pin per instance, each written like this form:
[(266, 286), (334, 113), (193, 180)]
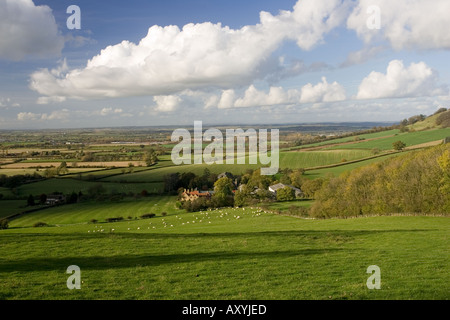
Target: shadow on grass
[(130, 261), (98, 262)]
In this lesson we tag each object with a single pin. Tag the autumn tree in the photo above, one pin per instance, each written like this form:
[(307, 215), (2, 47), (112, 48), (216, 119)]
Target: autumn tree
[(285, 194)]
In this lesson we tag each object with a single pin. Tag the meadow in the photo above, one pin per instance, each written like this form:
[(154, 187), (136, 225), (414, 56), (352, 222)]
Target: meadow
[(409, 138), (249, 253), (233, 253)]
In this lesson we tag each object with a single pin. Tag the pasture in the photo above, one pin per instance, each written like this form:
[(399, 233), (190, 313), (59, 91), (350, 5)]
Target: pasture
[(410, 138), (231, 253)]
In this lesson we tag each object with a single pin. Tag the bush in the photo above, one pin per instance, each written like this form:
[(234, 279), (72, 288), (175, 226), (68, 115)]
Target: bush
[(164, 214), (4, 224), (114, 219), (93, 221), (148, 215), (398, 145), (40, 224)]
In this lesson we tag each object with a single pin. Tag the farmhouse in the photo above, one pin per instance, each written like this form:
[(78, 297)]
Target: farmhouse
[(191, 195), (275, 187), (54, 199)]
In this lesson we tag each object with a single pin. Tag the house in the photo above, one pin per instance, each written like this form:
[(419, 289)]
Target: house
[(275, 187), (55, 199), (225, 174), (191, 195)]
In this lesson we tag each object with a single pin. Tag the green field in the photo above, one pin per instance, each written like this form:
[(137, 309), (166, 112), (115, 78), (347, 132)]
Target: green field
[(224, 254), (337, 170), (246, 253), (361, 137), (85, 211), (10, 207), (68, 186), (410, 138), (310, 159)]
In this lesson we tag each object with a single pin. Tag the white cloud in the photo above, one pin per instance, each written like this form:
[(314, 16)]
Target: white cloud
[(7, 103), (309, 93), (399, 81), (254, 97), (167, 103), (169, 60), (322, 92), (26, 116), (406, 24), (227, 99), (56, 115), (28, 30)]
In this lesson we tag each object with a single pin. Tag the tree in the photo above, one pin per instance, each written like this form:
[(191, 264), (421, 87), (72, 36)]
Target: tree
[(297, 177), (398, 145), (30, 201), (62, 169), (285, 194), (150, 157), (223, 192), (309, 187), (42, 198)]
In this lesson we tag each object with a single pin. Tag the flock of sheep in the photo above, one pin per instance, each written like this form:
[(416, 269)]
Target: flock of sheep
[(225, 214)]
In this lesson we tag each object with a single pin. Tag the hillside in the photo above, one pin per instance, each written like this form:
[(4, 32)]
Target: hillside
[(434, 121)]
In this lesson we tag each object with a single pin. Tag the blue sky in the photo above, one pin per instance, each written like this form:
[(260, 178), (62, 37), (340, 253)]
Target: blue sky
[(237, 62)]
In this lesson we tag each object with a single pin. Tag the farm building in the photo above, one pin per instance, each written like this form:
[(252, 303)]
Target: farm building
[(275, 187), (54, 199), (191, 195)]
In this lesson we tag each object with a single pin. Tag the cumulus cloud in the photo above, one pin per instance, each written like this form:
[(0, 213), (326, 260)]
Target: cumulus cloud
[(399, 81), (169, 60), (109, 111), (54, 115), (28, 30), (309, 93), (227, 99), (405, 24), (25, 116), (322, 92), (167, 103), (7, 103)]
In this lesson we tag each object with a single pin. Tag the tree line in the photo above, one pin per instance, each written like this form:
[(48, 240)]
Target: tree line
[(417, 182)]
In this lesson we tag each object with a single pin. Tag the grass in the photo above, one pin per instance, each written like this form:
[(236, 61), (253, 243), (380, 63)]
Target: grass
[(84, 212), (68, 186), (258, 256), (10, 207), (366, 136), (336, 171), (410, 138), (309, 159)]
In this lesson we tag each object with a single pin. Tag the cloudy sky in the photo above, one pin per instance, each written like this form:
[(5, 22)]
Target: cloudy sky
[(145, 62)]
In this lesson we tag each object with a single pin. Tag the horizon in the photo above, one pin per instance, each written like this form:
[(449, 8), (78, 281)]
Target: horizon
[(367, 124)]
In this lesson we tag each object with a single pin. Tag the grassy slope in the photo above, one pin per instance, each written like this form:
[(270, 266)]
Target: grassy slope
[(258, 256), (84, 212), (410, 138), (72, 185)]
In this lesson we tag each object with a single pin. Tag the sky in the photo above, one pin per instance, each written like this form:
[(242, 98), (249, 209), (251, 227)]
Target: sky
[(173, 62)]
